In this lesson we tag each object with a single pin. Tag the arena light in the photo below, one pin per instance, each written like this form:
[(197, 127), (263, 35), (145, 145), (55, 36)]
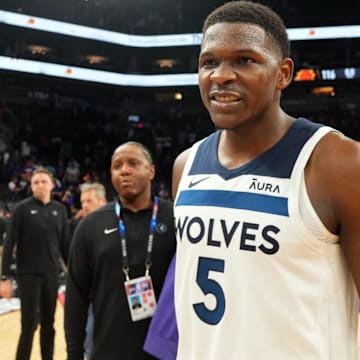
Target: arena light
[(324, 32), (166, 63), (99, 76), (86, 32), (147, 41), (156, 80), (39, 50), (324, 90), (96, 59), (178, 96)]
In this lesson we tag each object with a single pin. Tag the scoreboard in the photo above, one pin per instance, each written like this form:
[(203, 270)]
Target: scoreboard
[(309, 74)]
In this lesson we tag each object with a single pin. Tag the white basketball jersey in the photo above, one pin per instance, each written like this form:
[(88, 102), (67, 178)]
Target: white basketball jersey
[(258, 276)]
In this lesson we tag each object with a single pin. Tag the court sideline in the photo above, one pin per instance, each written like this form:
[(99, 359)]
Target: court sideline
[(10, 329)]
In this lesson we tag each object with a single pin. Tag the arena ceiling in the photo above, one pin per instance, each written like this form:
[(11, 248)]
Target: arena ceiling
[(160, 17)]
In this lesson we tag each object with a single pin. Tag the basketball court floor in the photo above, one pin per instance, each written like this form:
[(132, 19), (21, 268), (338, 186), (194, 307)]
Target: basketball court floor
[(10, 329)]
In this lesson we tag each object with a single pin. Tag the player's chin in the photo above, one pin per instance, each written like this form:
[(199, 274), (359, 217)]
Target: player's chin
[(225, 121)]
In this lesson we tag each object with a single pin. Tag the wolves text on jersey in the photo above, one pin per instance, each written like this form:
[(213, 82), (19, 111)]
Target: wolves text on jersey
[(250, 236)]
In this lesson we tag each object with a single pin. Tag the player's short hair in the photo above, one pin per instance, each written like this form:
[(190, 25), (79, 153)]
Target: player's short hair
[(244, 11)]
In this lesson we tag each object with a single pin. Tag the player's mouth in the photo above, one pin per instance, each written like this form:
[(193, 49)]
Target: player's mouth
[(225, 97)]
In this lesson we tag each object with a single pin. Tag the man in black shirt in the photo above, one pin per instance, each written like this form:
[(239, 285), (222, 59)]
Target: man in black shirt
[(92, 197), (107, 266), (38, 232)]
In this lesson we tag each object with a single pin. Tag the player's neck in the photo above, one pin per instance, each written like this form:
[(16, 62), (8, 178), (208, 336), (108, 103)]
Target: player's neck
[(239, 146)]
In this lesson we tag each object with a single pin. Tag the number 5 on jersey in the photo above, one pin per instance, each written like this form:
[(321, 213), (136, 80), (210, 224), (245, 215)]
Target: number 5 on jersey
[(210, 286)]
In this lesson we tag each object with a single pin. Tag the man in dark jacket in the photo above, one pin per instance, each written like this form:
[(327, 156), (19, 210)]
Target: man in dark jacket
[(119, 251), (38, 232)]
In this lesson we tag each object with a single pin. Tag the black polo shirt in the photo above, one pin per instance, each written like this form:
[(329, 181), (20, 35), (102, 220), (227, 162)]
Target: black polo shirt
[(39, 233)]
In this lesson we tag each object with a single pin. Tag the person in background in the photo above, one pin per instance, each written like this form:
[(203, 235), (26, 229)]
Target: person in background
[(4, 219), (38, 233), (267, 261), (115, 251), (92, 197)]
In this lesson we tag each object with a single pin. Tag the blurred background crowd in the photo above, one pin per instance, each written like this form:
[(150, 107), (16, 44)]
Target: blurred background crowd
[(71, 127)]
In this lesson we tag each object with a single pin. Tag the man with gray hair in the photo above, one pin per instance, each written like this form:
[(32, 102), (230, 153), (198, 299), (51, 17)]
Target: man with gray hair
[(92, 197)]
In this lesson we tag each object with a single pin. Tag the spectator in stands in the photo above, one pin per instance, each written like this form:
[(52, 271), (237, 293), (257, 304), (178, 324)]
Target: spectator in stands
[(14, 189), (72, 173)]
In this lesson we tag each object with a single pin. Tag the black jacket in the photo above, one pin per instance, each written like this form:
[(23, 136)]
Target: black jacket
[(40, 234), (96, 276)]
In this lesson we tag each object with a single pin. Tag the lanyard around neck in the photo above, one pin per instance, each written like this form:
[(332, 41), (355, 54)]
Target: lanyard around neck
[(153, 222)]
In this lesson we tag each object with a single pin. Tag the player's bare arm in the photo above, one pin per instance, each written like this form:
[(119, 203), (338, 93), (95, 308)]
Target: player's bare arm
[(332, 179), (177, 171)]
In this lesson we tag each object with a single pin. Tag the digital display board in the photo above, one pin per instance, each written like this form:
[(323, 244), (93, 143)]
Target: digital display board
[(308, 74)]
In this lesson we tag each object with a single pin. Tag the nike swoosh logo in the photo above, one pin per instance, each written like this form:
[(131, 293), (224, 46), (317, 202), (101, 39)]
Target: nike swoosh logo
[(193, 183), (33, 212), (109, 231)]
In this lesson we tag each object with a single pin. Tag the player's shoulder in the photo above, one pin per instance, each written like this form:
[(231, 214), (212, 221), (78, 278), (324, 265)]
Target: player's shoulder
[(180, 160), (334, 164), (337, 150)]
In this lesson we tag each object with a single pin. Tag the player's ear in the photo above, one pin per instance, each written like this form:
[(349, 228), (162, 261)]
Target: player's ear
[(285, 75)]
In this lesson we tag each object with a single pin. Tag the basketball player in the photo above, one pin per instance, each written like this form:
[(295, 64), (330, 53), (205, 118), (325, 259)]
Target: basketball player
[(266, 209)]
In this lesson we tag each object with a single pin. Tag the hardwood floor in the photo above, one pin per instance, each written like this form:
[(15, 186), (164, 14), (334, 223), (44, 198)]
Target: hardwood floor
[(10, 330)]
